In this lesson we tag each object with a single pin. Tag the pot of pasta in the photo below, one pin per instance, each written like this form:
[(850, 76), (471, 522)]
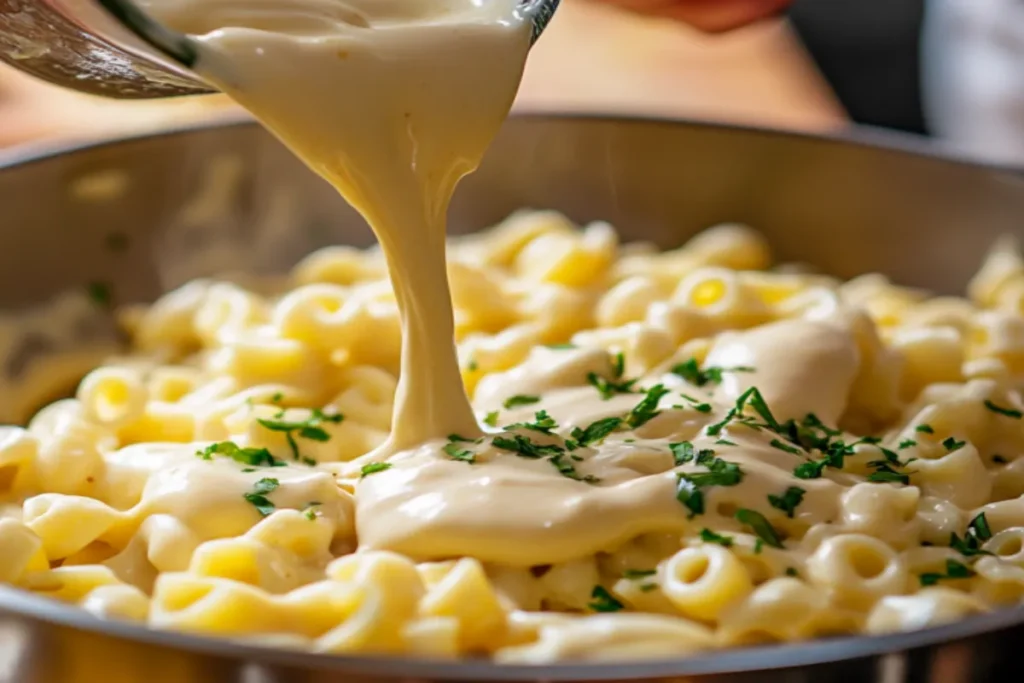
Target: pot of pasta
[(658, 400)]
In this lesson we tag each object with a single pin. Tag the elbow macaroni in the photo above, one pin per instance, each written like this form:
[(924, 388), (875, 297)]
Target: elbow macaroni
[(215, 481)]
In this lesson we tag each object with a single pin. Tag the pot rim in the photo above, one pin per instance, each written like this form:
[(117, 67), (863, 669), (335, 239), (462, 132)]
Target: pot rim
[(713, 662)]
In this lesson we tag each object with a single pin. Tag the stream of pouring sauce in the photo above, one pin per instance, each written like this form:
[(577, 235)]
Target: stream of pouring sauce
[(392, 102)]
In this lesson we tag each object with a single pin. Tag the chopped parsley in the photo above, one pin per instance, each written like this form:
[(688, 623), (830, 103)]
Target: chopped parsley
[(924, 429), (472, 366), (751, 397), (810, 470), (788, 501), (1008, 412), (696, 404), (258, 496), (886, 475), (568, 470), (455, 451), (555, 454), (254, 457), (647, 409), (684, 452), (791, 571), (764, 531), (521, 445), (277, 397), (309, 512), (691, 372), (952, 445), (954, 570), (618, 365), (689, 487), (310, 428), (907, 443), (608, 388), (520, 400), (542, 423), (596, 432), (724, 442), (491, 419), (775, 443), (561, 347), (709, 536), (634, 574), (373, 468), (101, 293), (978, 531), (603, 601)]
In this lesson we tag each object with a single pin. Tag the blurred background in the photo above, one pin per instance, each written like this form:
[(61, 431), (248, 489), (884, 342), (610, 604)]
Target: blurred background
[(949, 69)]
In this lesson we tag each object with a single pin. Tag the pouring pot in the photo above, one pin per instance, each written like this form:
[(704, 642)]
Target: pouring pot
[(123, 221)]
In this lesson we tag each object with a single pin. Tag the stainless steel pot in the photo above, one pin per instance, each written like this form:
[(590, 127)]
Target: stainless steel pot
[(128, 219)]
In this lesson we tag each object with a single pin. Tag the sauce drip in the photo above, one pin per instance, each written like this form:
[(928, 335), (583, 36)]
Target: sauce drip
[(392, 102)]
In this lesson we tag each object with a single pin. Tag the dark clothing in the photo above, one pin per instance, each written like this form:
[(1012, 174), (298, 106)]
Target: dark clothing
[(868, 50)]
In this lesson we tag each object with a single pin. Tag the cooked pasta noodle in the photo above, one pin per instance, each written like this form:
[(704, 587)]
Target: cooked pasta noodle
[(700, 457)]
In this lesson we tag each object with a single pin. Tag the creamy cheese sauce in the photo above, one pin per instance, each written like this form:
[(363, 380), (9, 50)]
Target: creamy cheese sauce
[(392, 102)]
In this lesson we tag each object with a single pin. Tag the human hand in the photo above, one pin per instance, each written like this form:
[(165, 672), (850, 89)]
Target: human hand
[(710, 16)]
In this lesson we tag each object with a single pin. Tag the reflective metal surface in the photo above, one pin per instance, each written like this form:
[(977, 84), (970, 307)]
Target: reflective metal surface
[(79, 45), (146, 214)]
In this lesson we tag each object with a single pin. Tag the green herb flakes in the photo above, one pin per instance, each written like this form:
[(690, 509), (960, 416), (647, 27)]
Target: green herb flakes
[(520, 400), (709, 536), (101, 293), (689, 487), (373, 468), (455, 451), (618, 365), (692, 373), (608, 388), (311, 428), (258, 496), (952, 445), (597, 431), (684, 452), (775, 443), (491, 419), (603, 601), (954, 570), (978, 531), (634, 574), (542, 423), (647, 409), (759, 524), (1008, 412), (254, 457), (524, 447), (789, 501)]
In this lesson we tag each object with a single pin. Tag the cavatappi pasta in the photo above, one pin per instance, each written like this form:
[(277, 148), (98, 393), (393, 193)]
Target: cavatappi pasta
[(686, 451)]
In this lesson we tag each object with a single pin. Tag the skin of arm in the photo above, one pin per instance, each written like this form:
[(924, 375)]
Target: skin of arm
[(709, 16)]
